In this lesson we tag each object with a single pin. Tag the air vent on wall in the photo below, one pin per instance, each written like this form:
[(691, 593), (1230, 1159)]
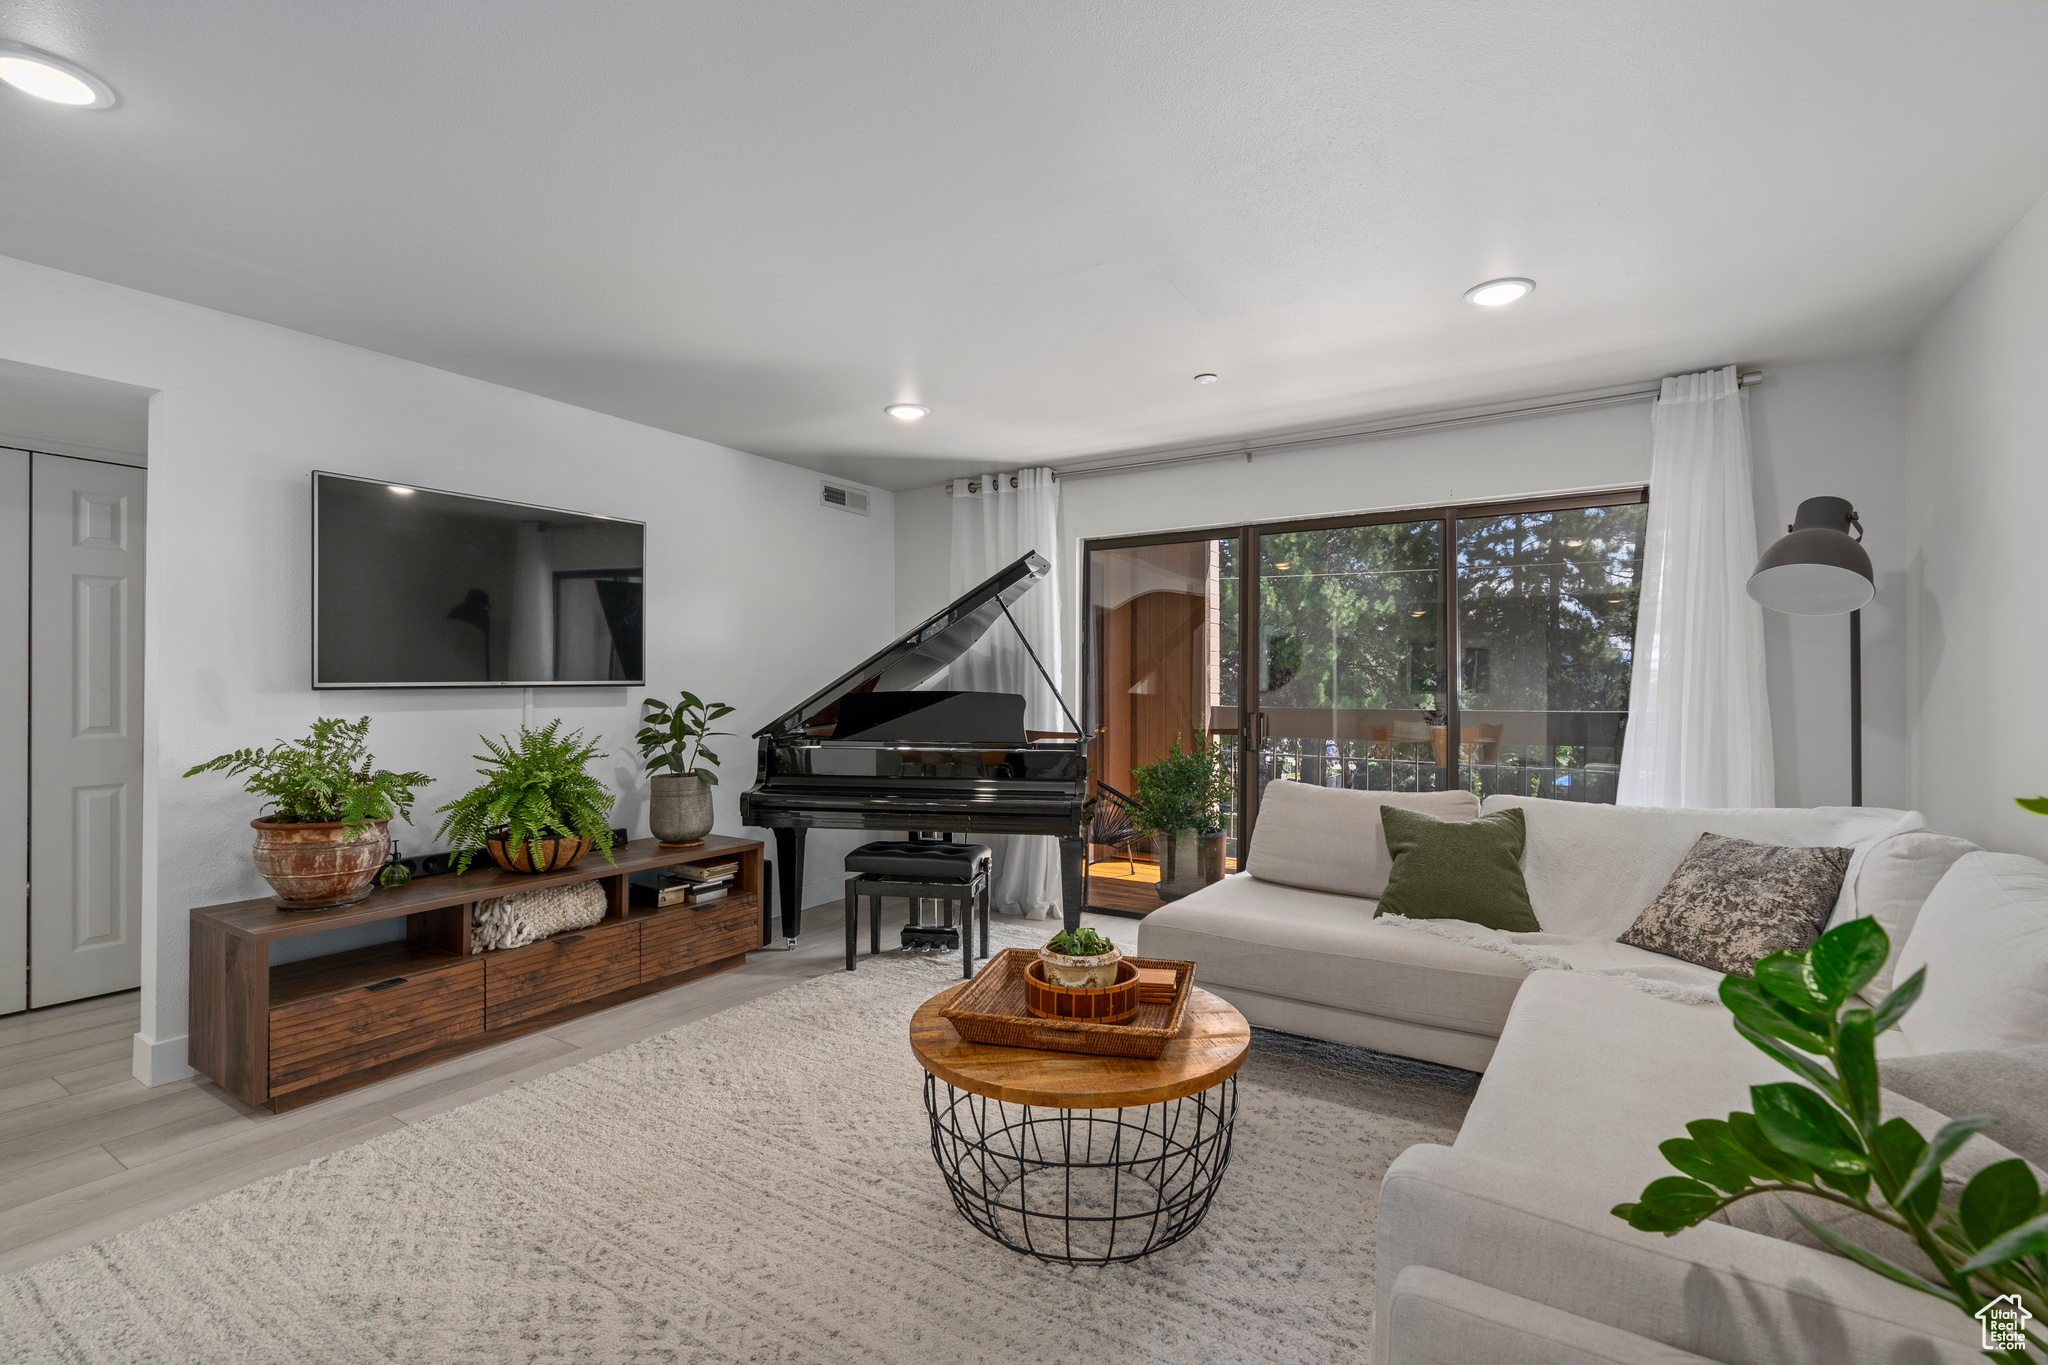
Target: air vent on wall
[(845, 499)]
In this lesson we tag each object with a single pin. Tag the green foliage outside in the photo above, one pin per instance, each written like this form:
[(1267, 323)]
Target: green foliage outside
[(1081, 943), (328, 777), (673, 737), (1185, 790), (533, 789), (1823, 1136)]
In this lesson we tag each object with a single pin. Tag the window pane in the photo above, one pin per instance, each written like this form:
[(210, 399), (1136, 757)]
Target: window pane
[(1546, 633), (1349, 672)]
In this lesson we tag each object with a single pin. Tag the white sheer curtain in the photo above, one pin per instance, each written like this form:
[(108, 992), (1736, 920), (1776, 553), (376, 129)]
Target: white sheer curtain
[(997, 520), (1699, 724)]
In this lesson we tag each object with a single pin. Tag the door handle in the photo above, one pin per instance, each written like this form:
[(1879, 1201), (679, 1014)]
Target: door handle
[(387, 985)]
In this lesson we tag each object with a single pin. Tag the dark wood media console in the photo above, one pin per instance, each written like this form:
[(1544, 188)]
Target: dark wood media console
[(300, 1031)]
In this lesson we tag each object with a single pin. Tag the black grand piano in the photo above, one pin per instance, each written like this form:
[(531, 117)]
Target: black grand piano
[(870, 751)]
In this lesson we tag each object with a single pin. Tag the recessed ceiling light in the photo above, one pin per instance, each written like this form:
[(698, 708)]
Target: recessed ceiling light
[(400, 489), (1575, 544), (907, 412), (52, 78), (1495, 293), (1283, 565), (1205, 379), (1418, 613)]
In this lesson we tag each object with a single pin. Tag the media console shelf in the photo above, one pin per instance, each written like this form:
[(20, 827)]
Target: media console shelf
[(300, 1031)]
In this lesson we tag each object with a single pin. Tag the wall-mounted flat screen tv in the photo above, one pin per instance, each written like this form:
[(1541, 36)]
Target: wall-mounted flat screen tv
[(418, 588)]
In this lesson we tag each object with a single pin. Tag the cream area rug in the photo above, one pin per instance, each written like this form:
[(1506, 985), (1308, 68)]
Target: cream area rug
[(754, 1186)]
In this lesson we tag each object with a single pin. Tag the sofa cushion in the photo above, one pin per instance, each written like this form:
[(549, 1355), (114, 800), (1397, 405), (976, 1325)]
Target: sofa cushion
[(1983, 938), (1889, 881), (1329, 838), (1591, 869), (1732, 902), (1327, 950), (1466, 869), (2011, 1086)]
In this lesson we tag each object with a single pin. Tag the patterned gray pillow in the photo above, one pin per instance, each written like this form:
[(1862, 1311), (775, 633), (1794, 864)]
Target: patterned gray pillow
[(1732, 902)]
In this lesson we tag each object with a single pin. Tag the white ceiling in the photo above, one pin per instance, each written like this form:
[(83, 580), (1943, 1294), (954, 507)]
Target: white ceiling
[(758, 222)]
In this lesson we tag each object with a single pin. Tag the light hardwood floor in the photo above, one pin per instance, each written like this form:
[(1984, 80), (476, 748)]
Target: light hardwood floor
[(86, 1151)]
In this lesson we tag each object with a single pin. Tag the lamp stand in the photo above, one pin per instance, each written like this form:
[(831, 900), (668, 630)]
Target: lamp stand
[(1855, 708)]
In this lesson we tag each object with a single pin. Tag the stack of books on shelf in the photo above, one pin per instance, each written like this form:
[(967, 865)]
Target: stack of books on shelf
[(684, 884)]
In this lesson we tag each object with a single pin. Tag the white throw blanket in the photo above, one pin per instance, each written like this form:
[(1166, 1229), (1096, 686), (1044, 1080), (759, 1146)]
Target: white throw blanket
[(1652, 973)]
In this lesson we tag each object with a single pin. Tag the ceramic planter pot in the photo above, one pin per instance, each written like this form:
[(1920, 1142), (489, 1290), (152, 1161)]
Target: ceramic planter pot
[(679, 808), (1188, 862), (315, 867), (1081, 973), (536, 855)]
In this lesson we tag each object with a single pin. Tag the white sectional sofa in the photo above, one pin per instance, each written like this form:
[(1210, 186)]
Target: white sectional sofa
[(1501, 1246)]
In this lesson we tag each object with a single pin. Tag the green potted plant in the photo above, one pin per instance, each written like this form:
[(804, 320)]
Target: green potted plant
[(1080, 960), (537, 809), (1823, 1137), (326, 832), (1179, 801), (672, 739)]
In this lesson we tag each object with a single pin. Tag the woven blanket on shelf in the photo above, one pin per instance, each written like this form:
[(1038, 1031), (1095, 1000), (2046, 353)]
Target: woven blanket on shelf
[(513, 921)]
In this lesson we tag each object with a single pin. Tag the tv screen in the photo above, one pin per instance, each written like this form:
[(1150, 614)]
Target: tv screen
[(418, 588)]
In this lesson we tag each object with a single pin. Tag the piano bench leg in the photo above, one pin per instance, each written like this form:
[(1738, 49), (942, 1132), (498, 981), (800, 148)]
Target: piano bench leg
[(852, 919)]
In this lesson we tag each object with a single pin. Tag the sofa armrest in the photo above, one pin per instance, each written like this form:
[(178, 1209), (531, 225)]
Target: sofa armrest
[(1438, 1319), (1714, 1290)]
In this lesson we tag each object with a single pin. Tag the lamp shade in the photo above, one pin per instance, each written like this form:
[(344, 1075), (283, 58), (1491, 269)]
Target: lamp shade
[(1817, 569)]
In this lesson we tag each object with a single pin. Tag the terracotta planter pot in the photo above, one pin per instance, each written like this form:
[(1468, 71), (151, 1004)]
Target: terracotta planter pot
[(312, 867), (678, 808), (537, 855), (1188, 862)]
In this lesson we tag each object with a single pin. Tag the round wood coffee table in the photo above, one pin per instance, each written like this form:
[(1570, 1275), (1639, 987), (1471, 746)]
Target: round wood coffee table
[(1080, 1159)]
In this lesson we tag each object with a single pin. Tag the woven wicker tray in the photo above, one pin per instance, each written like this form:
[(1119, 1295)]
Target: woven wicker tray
[(990, 1009)]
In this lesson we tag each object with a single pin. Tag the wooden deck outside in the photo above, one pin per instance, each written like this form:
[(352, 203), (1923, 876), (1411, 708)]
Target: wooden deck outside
[(1114, 889)]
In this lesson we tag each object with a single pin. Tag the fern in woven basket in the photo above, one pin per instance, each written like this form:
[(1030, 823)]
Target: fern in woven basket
[(533, 789)]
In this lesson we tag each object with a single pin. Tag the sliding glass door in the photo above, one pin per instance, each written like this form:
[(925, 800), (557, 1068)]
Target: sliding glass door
[(1486, 648)]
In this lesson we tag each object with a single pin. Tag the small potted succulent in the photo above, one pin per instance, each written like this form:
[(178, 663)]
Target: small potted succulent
[(672, 738), (1179, 801), (1080, 960), (537, 809), (327, 831)]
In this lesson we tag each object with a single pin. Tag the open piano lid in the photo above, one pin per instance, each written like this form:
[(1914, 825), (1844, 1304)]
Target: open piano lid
[(922, 654)]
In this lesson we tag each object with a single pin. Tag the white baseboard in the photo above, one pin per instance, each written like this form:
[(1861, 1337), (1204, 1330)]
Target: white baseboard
[(161, 1061)]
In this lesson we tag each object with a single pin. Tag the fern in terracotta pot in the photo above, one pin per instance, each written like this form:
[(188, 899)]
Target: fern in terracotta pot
[(327, 830), (537, 810)]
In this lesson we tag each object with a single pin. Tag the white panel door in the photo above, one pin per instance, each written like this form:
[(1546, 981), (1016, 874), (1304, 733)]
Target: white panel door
[(13, 730), (85, 729)]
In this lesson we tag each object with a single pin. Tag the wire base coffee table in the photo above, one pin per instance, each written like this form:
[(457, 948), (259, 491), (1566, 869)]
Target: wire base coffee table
[(1078, 1159)]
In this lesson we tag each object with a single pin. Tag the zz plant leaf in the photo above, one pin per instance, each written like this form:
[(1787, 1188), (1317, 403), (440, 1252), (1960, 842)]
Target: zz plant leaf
[(1821, 1136)]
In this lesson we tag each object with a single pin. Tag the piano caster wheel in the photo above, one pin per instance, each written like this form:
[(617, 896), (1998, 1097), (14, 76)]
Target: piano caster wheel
[(787, 945)]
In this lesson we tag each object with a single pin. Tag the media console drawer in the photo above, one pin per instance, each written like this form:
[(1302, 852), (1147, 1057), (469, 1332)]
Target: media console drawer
[(420, 1005), (684, 937), (522, 982)]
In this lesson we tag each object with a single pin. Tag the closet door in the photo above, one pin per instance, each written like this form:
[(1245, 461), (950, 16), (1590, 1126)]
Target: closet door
[(85, 728), (14, 538)]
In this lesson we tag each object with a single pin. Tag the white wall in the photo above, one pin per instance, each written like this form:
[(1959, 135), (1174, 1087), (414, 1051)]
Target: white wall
[(1829, 428), (756, 593), (1978, 469)]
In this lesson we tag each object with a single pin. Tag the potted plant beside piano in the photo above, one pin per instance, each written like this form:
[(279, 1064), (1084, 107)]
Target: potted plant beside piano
[(672, 738), (327, 832)]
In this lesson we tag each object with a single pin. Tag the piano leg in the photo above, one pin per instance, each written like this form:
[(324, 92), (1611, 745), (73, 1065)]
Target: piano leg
[(789, 873), (1073, 881)]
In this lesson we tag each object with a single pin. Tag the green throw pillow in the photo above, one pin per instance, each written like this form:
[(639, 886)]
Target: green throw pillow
[(1458, 869)]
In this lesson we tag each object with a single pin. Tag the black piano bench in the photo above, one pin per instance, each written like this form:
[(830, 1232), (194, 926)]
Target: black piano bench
[(918, 872)]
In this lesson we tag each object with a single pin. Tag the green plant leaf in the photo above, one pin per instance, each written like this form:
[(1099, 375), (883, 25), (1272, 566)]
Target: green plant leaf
[(1670, 1204), (1940, 1148), (1894, 1006), (1843, 961), (1998, 1199), (1898, 1147), (1785, 977), (1799, 1121), (1772, 1017), (1856, 1065), (2037, 804), (2028, 1239), (1744, 1130), (1688, 1156), (1813, 1072), (1870, 1260)]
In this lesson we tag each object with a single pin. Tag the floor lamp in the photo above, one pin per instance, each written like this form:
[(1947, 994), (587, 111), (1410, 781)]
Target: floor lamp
[(1819, 569)]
